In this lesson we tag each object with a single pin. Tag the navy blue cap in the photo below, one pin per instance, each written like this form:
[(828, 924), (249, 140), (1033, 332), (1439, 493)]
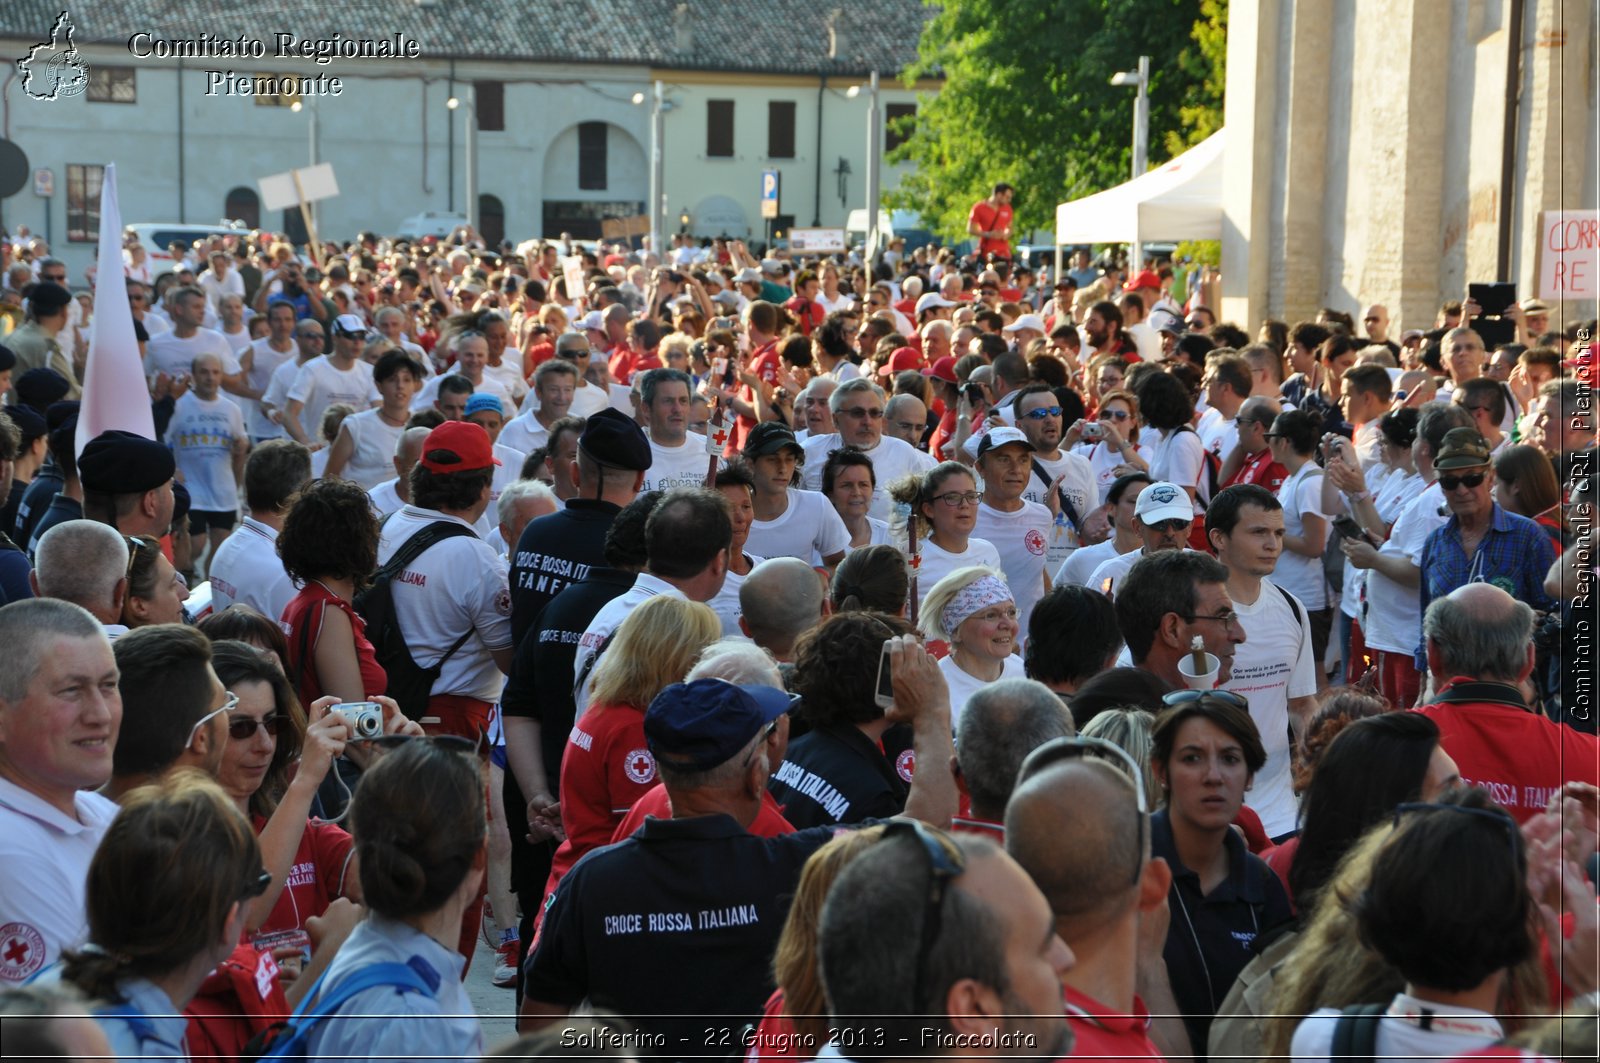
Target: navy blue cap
[(30, 424), (615, 439), (696, 726), (39, 387)]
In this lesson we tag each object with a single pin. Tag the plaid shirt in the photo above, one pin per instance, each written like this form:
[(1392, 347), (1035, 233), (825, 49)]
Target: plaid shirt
[(1514, 555)]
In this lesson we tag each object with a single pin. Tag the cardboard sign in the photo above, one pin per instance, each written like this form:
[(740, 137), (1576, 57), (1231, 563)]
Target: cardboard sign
[(282, 191), (817, 241), (624, 228), (1568, 264)]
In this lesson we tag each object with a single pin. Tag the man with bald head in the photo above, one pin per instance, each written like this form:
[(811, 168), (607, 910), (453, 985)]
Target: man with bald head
[(1479, 643), (209, 442), (905, 417), (1001, 724), (86, 563), (780, 600), (1375, 322), (393, 494), (1075, 826)]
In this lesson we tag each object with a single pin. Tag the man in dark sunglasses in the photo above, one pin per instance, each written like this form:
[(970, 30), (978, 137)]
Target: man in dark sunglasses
[(1040, 416), (1481, 542), (1078, 826)]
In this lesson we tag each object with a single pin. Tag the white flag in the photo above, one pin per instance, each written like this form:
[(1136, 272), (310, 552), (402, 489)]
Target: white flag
[(115, 394)]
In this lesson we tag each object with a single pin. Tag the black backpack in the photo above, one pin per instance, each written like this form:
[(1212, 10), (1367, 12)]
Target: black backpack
[(409, 683), (1355, 1035)]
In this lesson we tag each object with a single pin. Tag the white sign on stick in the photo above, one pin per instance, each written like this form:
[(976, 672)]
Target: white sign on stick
[(278, 192), (816, 241), (1569, 255)]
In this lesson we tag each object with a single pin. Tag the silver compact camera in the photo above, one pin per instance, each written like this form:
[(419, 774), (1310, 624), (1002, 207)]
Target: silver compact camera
[(364, 717)]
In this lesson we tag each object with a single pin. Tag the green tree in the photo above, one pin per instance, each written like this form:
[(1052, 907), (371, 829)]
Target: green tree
[(1206, 62), (1026, 98)]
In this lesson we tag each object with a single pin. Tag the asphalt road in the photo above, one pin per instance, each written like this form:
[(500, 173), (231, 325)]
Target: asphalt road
[(496, 1007)]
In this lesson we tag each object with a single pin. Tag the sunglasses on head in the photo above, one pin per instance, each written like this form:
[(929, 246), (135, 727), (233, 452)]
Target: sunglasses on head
[(1471, 479), (946, 862), (1080, 747)]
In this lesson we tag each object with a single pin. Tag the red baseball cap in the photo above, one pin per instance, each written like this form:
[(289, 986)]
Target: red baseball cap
[(458, 446), (1145, 278), (902, 359), (944, 369)]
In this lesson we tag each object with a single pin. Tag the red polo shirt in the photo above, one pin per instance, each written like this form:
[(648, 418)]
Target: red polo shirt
[(769, 822), (1099, 1033), (1260, 469)]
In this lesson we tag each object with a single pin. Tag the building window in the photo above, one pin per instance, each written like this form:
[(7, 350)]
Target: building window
[(111, 84), (592, 156), (489, 100), (491, 219), (83, 202), (243, 206), (719, 129), (780, 129), (898, 118), (288, 98)]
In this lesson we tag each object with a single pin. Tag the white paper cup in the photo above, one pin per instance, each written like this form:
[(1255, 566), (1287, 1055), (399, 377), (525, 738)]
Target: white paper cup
[(1208, 681)]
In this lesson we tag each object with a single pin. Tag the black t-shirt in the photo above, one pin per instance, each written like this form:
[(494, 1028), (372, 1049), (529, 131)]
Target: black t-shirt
[(556, 551), (675, 928), (1210, 937), (540, 688), (836, 774)]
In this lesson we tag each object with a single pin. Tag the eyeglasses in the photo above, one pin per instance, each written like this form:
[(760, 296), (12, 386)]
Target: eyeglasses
[(256, 886), (1078, 747), (229, 703), (1184, 697), (1470, 480), (1115, 415), (1229, 619), (1042, 412), (873, 414), (244, 728), (946, 862), (761, 740), (956, 498)]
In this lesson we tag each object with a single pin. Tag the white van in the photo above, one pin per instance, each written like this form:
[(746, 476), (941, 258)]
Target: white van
[(157, 237)]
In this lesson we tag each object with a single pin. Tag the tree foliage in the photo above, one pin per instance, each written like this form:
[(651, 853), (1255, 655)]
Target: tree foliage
[(1026, 98)]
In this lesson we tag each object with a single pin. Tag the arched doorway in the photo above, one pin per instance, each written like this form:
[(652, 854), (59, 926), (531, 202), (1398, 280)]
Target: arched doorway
[(491, 219), (243, 205), (592, 171)]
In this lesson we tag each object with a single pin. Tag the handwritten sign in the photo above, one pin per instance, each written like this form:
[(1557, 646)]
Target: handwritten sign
[(816, 241), (1569, 255)]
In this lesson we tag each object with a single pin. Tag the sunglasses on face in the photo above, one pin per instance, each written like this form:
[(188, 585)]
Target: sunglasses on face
[(1042, 412), (873, 414), (1471, 480), (244, 728), (1115, 415)]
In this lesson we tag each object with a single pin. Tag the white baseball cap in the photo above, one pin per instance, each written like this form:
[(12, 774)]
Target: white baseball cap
[(1163, 501), (1033, 321)]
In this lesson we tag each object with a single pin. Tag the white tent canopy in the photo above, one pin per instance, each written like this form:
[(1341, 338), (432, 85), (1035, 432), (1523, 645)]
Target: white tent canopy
[(1180, 200)]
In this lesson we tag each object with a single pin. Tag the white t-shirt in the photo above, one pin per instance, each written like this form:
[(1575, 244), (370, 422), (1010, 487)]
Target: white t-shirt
[(809, 525), (1080, 565), (1104, 461), (264, 365), (681, 466), (1079, 485), (891, 459), (1107, 578), (937, 562), (44, 866), (385, 499), (429, 392), (1022, 538), (524, 432), (1180, 459), (277, 394), (230, 283), (454, 586), (726, 603), (1391, 491), (963, 686), (320, 384), (1393, 621), (508, 376), (248, 570), (168, 354), (372, 459), (1300, 575), (1274, 664), (1219, 434), (1401, 1040), (202, 435), (605, 624), (505, 474)]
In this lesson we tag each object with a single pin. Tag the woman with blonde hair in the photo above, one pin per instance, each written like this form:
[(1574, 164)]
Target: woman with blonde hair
[(166, 897), (974, 611), (1128, 729), (606, 766), (795, 1024)]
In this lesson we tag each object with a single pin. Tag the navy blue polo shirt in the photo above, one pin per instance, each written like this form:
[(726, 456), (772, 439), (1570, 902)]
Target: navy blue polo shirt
[(35, 500), (674, 927), (836, 774), (540, 688), (1211, 936), (554, 552)]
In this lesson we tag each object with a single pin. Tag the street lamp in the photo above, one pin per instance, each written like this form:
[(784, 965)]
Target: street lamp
[(657, 207), (297, 106), (1139, 79), (470, 103), (874, 152), (683, 220)]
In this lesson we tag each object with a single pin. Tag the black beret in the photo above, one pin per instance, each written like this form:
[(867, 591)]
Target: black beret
[(30, 425), (121, 463), (40, 387), (8, 358), (58, 413), (47, 297), (615, 439)]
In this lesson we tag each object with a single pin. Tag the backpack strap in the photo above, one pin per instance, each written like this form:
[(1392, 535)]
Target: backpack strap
[(1294, 606), (318, 1006), (1066, 503), (415, 547), (1355, 1034)]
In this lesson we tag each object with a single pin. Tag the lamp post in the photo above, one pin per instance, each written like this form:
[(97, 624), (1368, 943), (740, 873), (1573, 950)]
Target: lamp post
[(470, 103), (656, 209), (297, 106), (1139, 79), (874, 151), (683, 220)]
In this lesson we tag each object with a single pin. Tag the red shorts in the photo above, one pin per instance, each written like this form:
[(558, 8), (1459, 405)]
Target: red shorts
[(459, 715), (1398, 678)]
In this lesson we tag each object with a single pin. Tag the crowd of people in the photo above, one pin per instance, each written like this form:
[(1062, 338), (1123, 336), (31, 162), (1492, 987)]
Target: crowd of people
[(791, 658)]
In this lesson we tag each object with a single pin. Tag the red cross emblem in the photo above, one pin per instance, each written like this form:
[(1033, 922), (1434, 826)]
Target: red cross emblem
[(21, 951)]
